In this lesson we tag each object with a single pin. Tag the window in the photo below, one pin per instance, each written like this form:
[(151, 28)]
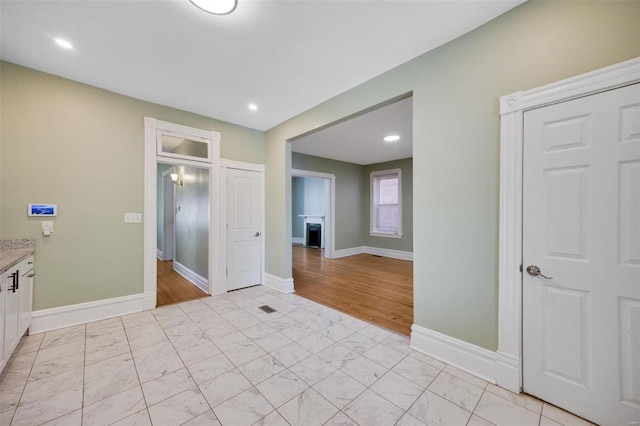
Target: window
[(386, 203)]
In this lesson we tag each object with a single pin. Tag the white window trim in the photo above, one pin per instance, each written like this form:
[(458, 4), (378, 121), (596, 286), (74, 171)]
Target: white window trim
[(373, 202)]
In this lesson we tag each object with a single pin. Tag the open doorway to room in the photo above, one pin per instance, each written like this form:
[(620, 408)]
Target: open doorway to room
[(182, 233), (367, 270), (313, 210)]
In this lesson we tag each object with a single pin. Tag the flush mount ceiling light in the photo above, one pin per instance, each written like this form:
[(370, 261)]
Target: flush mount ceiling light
[(216, 7), (391, 138), (253, 107), (63, 43)]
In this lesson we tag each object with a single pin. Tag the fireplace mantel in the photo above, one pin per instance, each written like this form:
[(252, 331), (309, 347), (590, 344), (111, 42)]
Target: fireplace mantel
[(314, 218)]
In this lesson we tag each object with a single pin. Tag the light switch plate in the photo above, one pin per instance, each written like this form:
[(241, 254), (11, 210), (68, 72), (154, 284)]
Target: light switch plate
[(133, 218)]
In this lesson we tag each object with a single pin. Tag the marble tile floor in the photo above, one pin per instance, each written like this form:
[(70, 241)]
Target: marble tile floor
[(222, 361)]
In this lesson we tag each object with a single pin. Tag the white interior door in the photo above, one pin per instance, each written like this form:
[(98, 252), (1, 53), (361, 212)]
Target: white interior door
[(244, 223), (581, 228)]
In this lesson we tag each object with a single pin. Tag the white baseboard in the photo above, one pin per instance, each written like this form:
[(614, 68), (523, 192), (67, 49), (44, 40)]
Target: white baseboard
[(199, 281), (394, 254), (348, 252), (296, 240), (81, 313), (283, 285), (473, 359), (160, 254)]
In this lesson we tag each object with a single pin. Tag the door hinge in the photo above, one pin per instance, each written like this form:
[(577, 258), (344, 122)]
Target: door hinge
[(227, 271), (521, 268)]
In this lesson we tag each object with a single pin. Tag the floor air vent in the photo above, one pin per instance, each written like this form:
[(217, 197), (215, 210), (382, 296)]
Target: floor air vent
[(267, 309)]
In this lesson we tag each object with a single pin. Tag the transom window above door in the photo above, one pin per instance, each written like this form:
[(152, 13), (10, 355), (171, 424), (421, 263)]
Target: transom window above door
[(176, 145)]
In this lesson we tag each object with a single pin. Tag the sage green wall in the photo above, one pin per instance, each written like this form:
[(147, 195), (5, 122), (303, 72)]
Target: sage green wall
[(406, 242), (83, 148), (456, 90), (192, 220), (349, 186), (297, 207)]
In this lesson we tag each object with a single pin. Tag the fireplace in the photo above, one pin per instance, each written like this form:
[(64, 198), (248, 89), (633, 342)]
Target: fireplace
[(313, 236)]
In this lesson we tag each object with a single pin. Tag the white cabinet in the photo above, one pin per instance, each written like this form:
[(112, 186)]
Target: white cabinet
[(4, 278), (16, 293), (27, 273), (11, 311)]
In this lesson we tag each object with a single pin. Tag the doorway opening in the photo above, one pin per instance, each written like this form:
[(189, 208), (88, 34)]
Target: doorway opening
[(182, 233), (313, 205), (195, 154), (339, 164)]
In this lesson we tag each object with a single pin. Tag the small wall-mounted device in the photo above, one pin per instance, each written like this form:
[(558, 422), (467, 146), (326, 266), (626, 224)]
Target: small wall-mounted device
[(42, 210), (47, 228)]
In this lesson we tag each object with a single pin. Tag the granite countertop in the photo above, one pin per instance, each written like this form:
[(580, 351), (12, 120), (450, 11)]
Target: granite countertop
[(14, 251)]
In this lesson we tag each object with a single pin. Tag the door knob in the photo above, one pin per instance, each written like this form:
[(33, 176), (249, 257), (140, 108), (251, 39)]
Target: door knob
[(534, 271), (257, 234)]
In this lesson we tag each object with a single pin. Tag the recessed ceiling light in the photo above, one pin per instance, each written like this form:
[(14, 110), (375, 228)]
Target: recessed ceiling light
[(253, 107), (63, 43), (391, 138)]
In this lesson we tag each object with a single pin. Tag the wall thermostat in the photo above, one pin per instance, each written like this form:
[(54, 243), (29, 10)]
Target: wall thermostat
[(42, 210)]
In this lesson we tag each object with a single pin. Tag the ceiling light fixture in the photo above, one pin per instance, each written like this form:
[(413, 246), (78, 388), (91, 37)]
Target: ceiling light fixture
[(392, 138), (216, 7), (63, 43), (176, 179), (253, 107)]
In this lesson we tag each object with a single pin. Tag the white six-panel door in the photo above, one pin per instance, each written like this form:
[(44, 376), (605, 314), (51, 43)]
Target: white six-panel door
[(581, 229), (244, 209)]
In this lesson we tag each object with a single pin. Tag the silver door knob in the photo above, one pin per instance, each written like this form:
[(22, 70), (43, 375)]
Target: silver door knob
[(257, 234), (534, 271)]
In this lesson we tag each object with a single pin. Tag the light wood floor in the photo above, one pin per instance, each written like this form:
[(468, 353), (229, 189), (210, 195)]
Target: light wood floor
[(372, 288), (173, 287)]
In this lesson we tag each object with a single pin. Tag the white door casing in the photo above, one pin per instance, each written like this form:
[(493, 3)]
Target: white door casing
[(153, 129), (581, 228), (244, 228), (508, 370), (328, 228)]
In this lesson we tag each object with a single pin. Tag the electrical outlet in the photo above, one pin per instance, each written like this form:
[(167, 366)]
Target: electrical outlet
[(133, 218)]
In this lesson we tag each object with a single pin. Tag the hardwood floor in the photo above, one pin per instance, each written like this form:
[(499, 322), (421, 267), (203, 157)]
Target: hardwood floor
[(173, 287), (372, 288)]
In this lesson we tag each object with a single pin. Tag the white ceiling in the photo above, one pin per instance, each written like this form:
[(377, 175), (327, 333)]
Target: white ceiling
[(361, 139), (285, 56)]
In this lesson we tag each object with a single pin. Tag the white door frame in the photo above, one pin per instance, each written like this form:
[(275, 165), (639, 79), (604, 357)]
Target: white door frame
[(512, 108), (252, 167), (330, 219), (216, 233)]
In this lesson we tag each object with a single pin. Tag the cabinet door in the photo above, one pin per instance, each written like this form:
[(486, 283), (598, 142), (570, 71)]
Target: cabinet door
[(3, 285), (12, 307), (26, 295)]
